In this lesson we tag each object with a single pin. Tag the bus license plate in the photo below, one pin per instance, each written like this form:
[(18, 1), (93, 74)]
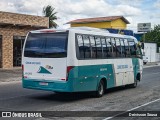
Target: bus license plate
[(43, 83)]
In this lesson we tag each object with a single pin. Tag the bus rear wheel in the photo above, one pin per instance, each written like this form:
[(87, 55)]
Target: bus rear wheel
[(101, 89)]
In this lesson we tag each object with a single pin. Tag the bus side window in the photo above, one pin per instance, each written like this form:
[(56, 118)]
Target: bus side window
[(122, 48), (132, 47), (93, 47), (138, 51), (109, 47), (81, 46), (113, 47), (118, 47), (104, 47), (98, 47), (87, 50), (127, 50)]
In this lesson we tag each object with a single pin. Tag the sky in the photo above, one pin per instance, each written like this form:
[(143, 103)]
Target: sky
[(135, 11)]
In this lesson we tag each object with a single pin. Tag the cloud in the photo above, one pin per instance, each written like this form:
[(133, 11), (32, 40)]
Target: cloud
[(71, 9), (135, 3), (157, 4)]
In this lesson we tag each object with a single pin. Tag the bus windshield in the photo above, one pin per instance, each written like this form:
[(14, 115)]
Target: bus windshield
[(46, 45)]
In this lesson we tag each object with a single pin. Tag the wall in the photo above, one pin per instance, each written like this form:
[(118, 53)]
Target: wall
[(119, 23), (21, 19), (13, 24), (150, 50), (96, 25), (7, 43)]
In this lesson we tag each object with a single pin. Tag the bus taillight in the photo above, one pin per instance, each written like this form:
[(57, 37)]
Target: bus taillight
[(68, 70), (22, 67), (22, 70)]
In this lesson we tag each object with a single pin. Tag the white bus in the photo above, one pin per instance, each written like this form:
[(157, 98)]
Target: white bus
[(80, 59)]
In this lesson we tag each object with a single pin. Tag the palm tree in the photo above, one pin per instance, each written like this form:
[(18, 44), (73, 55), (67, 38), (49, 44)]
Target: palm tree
[(48, 11)]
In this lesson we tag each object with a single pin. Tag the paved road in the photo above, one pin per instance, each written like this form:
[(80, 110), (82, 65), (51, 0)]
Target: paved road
[(15, 98)]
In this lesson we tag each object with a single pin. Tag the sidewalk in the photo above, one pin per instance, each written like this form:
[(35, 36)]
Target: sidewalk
[(151, 64), (9, 75)]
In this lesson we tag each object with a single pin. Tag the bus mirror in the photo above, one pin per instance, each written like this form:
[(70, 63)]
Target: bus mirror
[(142, 45)]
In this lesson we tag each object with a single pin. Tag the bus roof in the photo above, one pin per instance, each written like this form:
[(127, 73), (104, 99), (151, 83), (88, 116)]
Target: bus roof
[(82, 29)]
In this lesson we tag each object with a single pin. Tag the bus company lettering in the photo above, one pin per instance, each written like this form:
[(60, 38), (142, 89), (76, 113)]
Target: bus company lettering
[(33, 63), (122, 66), (103, 69)]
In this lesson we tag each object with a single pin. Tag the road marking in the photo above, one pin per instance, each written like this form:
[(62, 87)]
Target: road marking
[(108, 118)]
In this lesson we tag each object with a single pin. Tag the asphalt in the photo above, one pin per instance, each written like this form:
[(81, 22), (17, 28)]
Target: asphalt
[(15, 98)]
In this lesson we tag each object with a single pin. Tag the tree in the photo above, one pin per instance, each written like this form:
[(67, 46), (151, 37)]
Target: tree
[(49, 11), (153, 35)]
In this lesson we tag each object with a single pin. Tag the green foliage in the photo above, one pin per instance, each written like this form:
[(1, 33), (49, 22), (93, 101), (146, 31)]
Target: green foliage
[(49, 11), (153, 35)]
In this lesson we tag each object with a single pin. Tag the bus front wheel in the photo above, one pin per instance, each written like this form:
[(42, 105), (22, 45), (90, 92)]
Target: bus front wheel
[(101, 89), (134, 85)]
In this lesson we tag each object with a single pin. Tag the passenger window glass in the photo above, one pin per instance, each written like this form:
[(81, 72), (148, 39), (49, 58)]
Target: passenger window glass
[(138, 52), (132, 47), (93, 47), (81, 46), (109, 47), (122, 48), (87, 50), (118, 47), (104, 47), (99, 47), (127, 50), (113, 47)]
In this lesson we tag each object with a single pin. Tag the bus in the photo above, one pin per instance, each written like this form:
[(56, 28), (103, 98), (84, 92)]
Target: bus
[(79, 60)]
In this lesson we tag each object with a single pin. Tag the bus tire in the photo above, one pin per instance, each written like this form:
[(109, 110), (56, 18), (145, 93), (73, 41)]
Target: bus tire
[(134, 85), (100, 90)]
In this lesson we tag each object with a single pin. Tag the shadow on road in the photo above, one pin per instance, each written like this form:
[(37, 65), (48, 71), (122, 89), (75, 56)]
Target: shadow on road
[(70, 97)]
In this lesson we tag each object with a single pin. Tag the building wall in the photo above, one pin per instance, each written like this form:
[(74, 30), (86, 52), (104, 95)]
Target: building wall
[(96, 25), (7, 43), (117, 24), (22, 19), (13, 24), (150, 50)]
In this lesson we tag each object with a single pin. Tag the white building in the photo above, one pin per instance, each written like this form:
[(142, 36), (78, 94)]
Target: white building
[(150, 50)]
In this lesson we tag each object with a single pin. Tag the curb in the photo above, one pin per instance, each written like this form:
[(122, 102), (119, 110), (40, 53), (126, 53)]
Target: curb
[(154, 65), (11, 80)]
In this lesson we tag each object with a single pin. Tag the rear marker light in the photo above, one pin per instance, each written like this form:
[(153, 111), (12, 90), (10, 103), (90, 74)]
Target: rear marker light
[(69, 68), (22, 71)]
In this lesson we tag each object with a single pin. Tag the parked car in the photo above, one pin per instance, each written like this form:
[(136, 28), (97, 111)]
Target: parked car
[(145, 60)]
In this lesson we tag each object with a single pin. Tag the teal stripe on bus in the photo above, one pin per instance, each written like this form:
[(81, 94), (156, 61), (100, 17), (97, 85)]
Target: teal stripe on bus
[(86, 78), (136, 66)]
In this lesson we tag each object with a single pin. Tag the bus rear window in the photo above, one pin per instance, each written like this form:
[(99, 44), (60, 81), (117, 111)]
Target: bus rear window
[(46, 45)]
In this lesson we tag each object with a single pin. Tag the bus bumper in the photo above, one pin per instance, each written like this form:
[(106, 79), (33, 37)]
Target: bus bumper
[(48, 85)]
